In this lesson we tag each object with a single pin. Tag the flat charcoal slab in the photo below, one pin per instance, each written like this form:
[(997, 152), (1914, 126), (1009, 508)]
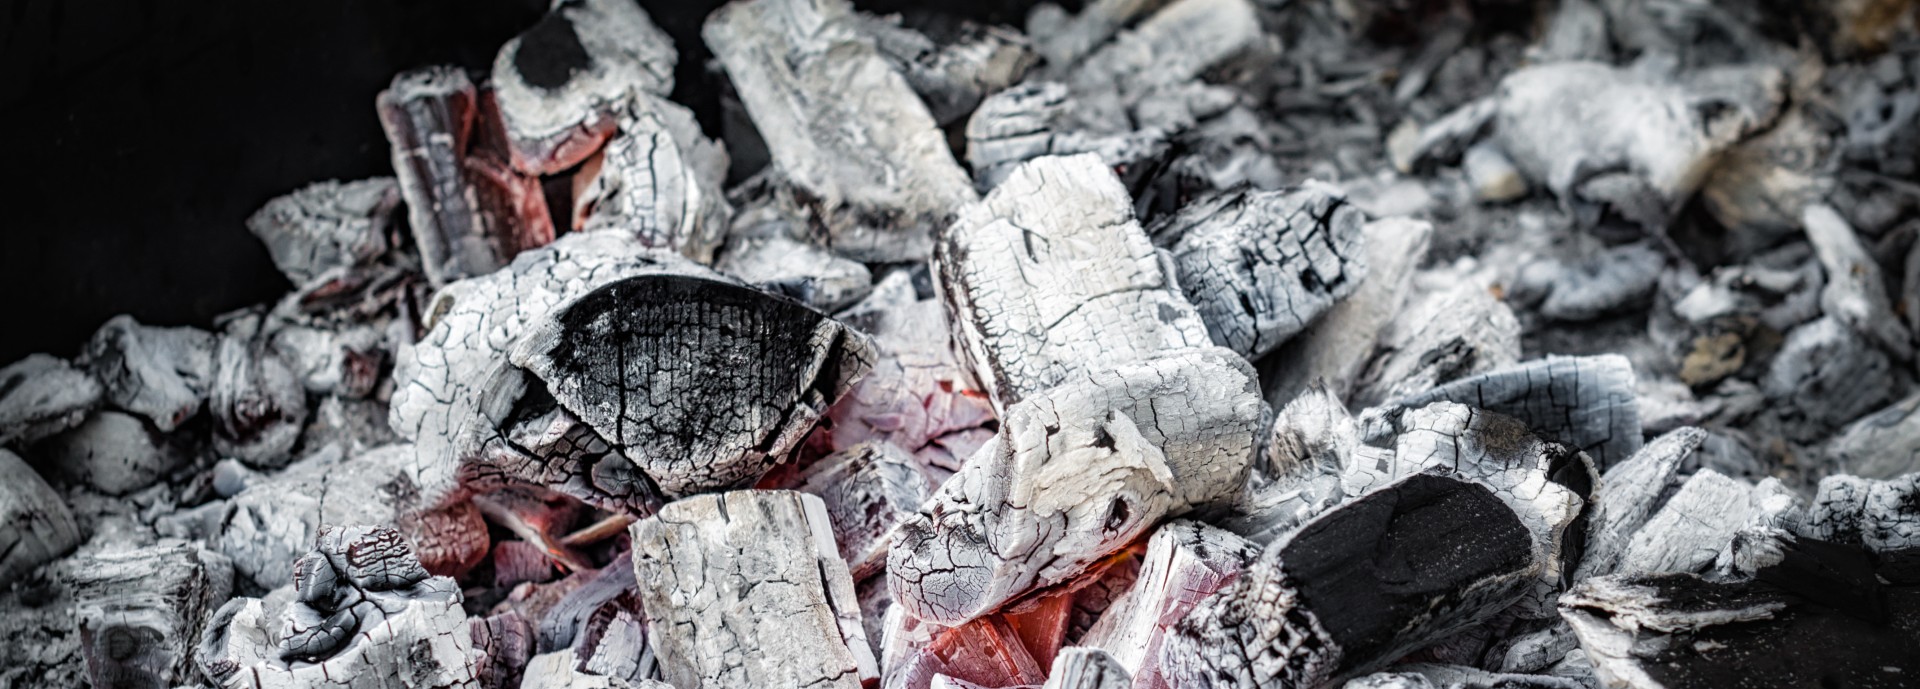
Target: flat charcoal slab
[(1357, 588), (745, 590)]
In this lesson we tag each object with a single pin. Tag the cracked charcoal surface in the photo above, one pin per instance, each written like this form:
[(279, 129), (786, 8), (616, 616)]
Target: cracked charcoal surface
[(660, 179), (747, 591), (701, 384), (559, 82)]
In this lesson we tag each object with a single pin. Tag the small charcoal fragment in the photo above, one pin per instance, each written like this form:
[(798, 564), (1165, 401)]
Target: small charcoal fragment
[(41, 395)]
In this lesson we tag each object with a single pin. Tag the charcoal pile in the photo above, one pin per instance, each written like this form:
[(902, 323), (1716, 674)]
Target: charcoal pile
[(1196, 344)]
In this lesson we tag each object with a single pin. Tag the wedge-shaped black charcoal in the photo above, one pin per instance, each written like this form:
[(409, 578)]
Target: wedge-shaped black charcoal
[(701, 384), (1359, 587)]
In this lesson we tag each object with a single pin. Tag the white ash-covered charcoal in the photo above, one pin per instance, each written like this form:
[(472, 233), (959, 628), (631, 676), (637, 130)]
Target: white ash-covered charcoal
[(556, 671), (141, 611), (257, 402), (745, 589), (36, 526), (1335, 350), (917, 396), (1313, 440), (1063, 38), (1825, 376), (1627, 139), (777, 263), (1430, 676), (659, 178), (1051, 274), (1146, 72), (345, 359), (1439, 338), (860, 152), (1881, 445), (1730, 319), (1884, 515), (159, 373), (1260, 266), (363, 613), (1077, 472), (1358, 587), (1587, 403), (953, 70), (327, 225), (470, 214), (1185, 563), (1545, 483), (267, 525), (42, 395), (1678, 631), (1628, 494), (868, 490), (1036, 119), (1761, 187), (1855, 294), (700, 384), (1692, 529), (1080, 667), (559, 83), (453, 388), (1610, 282), (115, 453)]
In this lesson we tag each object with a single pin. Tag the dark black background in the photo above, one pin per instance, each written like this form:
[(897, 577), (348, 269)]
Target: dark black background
[(140, 134)]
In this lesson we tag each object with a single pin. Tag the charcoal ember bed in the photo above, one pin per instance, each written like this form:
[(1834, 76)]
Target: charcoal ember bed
[(1189, 344)]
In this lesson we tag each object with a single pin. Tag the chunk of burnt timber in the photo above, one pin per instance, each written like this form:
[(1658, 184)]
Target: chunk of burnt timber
[(363, 613), (345, 360), (1186, 562), (1313, 440), (1037, 119), (868, 490), (1079, 667), (1855, 294), (1261, 265), (1610, 282), (1335, 350), (917, 396), (1052, 274), (556, 671), (1883, 516), (1359, 587), (660, 179), (258, 405), (859, 150), (1628, 494), (1442, 337), (1587, 403), (114, 453), (953, 73), (1823, 377), (268, 525), (745, 589), (1077, 472), (141, 611), (159, 373), (1427, 676), (35, 524), (559, 82), (42, 395), (783, 265), (453, 389), (1644, 140), (1691, 531), (1148, 74), (1880, 445), (1679, 631), (504, 644), (1062, 39), (327, 225), (701, 384), (469, 214)]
